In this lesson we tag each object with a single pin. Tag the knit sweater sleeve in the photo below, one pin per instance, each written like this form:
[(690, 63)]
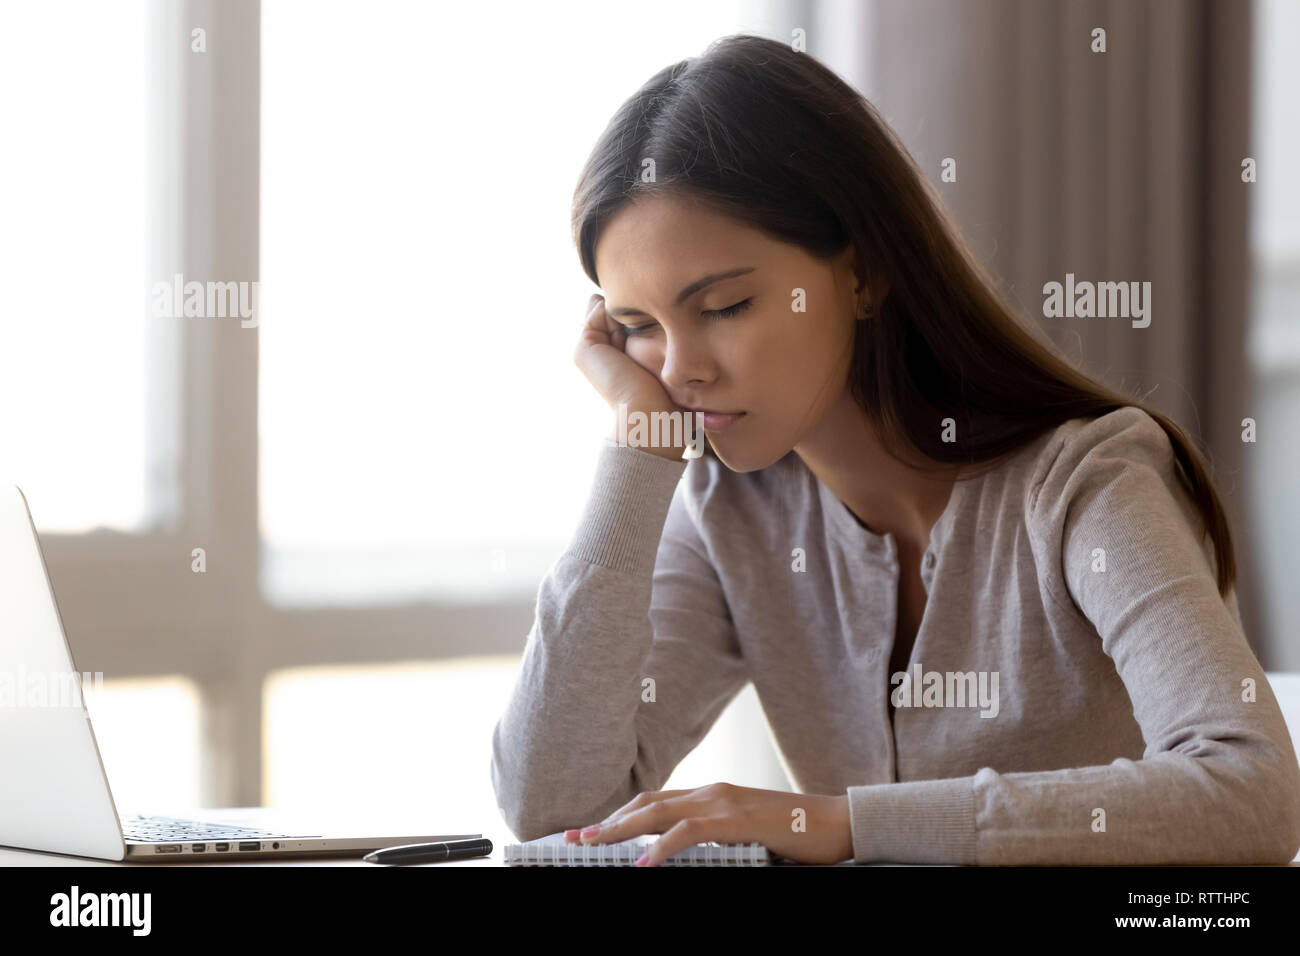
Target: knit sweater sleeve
[(1218, 782), (631, 658)]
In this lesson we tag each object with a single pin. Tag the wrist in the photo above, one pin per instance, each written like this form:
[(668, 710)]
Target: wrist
[(843, 827), (665, 437), (671, 454), (668, 452)]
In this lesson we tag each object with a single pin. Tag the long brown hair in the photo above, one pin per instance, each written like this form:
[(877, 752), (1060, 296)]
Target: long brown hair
[(774, 139)]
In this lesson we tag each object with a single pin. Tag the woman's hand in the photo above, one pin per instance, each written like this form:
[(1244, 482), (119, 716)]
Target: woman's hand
[(617, 377), (806, 828)]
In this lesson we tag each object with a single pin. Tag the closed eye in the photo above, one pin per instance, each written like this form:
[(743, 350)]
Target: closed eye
[(731, 310), (713, 314)]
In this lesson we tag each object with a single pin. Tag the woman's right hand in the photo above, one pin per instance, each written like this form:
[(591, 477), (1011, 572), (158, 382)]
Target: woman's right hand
[(617, 377)]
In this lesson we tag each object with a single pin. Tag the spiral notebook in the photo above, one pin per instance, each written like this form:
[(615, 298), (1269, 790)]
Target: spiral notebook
[(553, 850)]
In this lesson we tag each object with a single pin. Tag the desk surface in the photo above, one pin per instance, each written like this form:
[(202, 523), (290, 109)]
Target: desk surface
[(494, 831), (10, 857)]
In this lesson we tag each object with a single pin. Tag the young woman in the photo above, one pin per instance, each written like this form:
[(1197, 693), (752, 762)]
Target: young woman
[(986, 601)]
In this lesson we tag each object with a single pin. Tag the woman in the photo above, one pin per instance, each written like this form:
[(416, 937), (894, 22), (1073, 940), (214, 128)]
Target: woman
[(971, 585)]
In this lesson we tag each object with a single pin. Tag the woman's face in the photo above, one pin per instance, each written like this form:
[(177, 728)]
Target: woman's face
[(780, 366)]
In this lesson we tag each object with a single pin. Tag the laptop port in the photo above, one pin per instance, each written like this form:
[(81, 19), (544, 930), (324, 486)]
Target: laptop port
[(221, 847), (250, 845), (199, 847)]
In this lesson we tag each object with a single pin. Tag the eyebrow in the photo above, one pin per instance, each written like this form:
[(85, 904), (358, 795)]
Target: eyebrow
[(690, 290)]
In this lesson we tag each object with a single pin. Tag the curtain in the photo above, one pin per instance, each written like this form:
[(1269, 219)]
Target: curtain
[(1115, 166)]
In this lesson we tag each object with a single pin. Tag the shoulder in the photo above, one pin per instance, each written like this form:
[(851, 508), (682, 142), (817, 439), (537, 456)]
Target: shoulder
[(1084, 451), (1112, 477), (1112, 486)]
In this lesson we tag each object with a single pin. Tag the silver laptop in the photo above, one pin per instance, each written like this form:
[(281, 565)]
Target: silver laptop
[(55, 796)]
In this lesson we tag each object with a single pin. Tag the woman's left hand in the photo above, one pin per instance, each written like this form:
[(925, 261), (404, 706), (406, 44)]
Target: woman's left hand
[(806, 828)]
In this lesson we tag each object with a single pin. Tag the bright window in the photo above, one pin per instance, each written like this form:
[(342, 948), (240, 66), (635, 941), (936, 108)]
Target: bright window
[(424, 432), (147, 731), (73, 173)]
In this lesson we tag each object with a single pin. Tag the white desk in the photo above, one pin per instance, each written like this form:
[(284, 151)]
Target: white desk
[(494, 831)]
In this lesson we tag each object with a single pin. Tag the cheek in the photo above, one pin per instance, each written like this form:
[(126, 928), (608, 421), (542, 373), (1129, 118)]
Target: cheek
[(646, 354), (786, 340), (807, 351)]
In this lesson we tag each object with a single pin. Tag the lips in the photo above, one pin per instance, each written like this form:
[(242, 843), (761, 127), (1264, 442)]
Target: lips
[(716, 421)]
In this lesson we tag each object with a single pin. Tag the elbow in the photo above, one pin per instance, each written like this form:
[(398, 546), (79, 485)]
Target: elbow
[(1283, 793), (1282, 845), (1248, 815), (526, 828), (534, 811), (518, 821), (529, 813), (534, 802), (510, 797), (522, 818), (519, 804), (1287, 851), (526, 821), (1269, 827), (1286, 846)]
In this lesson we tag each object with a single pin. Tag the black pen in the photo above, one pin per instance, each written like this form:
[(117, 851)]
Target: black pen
[(430, 852)]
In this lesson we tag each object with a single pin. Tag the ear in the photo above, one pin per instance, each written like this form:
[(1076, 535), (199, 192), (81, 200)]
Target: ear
[(849, 265), (879, 288), (865, 278)]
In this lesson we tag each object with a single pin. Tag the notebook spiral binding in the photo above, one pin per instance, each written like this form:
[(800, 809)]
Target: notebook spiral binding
[(626, 854)]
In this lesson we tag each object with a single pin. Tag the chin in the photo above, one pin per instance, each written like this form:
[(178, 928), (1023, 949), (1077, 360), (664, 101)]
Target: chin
[(742, 457)]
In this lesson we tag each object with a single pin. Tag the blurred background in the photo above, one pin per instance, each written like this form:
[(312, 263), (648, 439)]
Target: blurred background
[(373, 516)]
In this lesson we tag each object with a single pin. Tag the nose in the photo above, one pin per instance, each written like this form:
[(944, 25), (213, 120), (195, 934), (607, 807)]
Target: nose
[(686, 362)]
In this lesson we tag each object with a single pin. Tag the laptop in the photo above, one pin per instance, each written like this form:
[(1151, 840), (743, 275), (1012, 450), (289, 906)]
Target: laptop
[(55, 795)]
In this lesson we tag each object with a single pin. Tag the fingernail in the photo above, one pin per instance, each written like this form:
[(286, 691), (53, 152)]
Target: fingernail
[(589, 832), (570, 834), (642, 858)]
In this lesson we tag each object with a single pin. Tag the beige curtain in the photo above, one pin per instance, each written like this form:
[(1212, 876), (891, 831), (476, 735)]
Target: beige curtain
[(1119, 166)]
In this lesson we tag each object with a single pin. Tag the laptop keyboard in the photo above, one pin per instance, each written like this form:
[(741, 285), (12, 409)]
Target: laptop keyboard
[(168, 829)]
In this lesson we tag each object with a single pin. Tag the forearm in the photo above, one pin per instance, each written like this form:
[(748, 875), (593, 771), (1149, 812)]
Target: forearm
[(567, 745), (1233, 805)]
